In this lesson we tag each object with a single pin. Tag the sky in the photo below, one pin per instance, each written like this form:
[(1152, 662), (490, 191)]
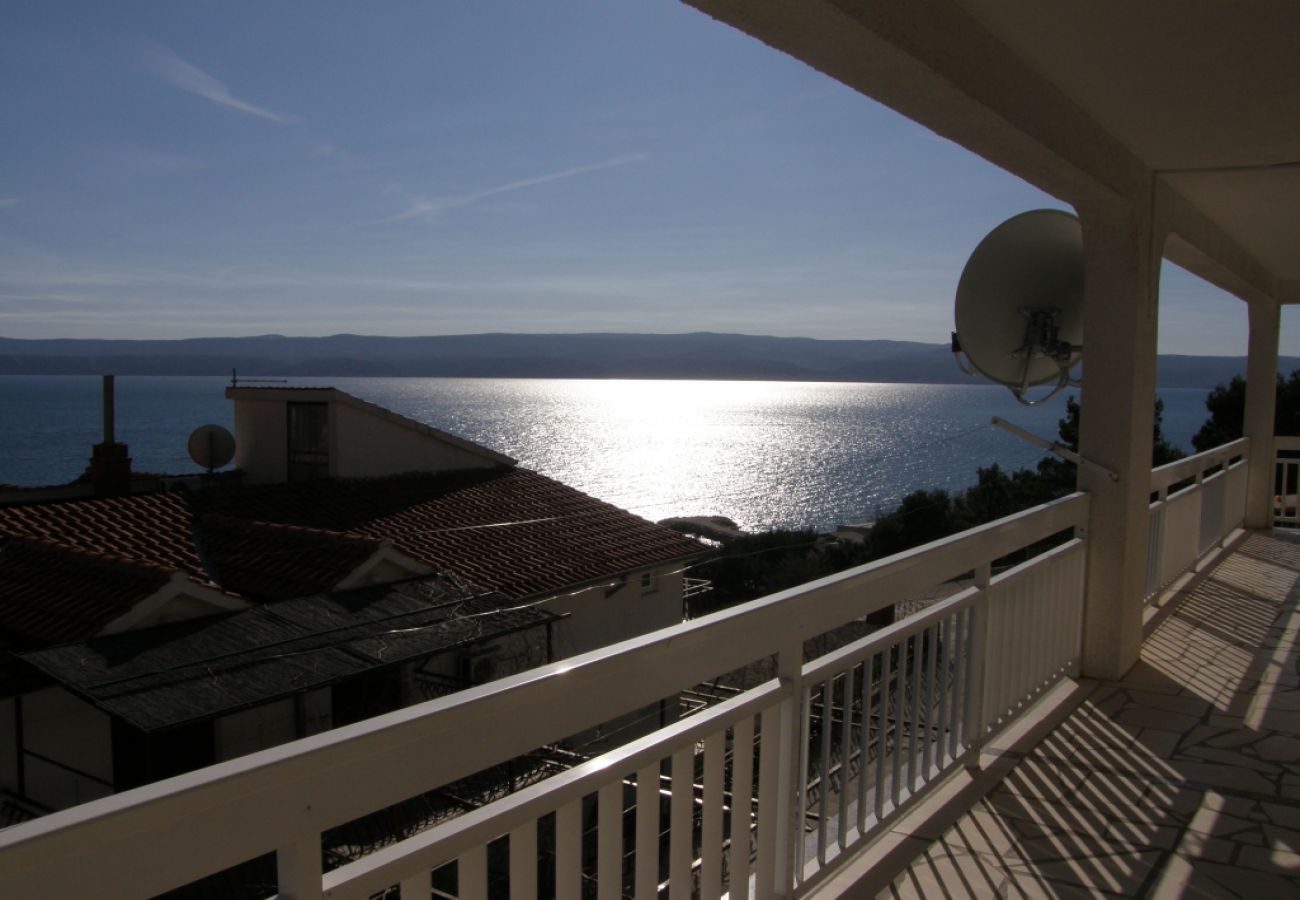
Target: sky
[(199, 169)]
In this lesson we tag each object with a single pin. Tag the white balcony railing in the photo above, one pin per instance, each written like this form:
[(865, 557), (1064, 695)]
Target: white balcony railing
[(762, 794), (1196, 502), (1286, 478)]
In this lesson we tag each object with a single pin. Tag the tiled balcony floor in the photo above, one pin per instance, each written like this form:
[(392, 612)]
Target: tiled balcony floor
[(1181, 780)]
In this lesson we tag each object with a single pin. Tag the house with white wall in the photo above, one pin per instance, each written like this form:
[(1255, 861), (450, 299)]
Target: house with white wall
[(334, 498), (321, 458), (1171, 129), (298, 434)]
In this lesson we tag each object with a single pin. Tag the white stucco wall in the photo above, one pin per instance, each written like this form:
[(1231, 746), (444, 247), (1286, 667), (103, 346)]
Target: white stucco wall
[(365, 445), (63, 728), (429, 678), (364, 441), (270, 724), (384, 571), (502, 656), (596, 620), (166, 606), (316, 714), (8, 747), (261, 440), (254, 729)]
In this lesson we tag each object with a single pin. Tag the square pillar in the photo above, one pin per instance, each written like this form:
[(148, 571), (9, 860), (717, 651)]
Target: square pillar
[(1261, 398), (1121, 277)]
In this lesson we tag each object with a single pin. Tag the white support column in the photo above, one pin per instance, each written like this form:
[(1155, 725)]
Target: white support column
[(1122, 272), (298, 868), (779, 829), (1261, 397)]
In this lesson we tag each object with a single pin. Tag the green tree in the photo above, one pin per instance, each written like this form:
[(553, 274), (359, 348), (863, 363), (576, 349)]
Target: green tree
[(1161, 450), (994, 495), (754, 565), (923, 516), (1056, 476), (1059, 474), (1227, 407)]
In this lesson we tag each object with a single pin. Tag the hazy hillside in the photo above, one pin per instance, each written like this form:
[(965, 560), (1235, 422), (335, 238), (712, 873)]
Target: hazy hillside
[(699, 355)]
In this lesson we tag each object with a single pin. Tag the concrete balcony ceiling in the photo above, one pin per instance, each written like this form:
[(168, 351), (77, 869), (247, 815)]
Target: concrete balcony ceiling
[(1191, 108)]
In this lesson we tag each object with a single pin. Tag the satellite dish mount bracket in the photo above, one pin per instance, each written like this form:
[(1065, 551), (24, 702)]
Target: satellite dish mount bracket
[(1043, 341)]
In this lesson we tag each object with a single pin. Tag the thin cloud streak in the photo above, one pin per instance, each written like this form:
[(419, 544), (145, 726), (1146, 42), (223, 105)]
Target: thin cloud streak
[(148, 160), (422, 207), (331, 153), (179, 73), (649, 285)]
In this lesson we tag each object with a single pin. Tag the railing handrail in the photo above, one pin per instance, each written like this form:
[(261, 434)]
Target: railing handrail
[(915, 624), (1189, 467), (912, 625), (315, 783), (1286, 442), (919, 622), (443, 843)]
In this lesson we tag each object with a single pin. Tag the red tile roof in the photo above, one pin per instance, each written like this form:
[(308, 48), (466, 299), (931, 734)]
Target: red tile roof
[(508, 530), (154, 528), (278, 562), (53, 594)]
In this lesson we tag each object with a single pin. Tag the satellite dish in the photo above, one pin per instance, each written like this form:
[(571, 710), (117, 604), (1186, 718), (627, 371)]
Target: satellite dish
[(1019, 307), (211, 446)]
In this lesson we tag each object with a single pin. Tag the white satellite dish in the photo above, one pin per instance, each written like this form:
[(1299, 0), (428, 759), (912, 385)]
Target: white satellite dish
[(1019, 307), (211, 446)]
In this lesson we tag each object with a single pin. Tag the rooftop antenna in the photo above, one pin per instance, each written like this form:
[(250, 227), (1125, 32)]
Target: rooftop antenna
[(235, 380), (1019, 304)]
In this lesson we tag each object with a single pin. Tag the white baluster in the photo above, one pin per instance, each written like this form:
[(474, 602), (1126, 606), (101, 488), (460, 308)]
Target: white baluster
[(568, 850), (647, 832), (523, 863), (742, 781), (471, 874), (609, 841)]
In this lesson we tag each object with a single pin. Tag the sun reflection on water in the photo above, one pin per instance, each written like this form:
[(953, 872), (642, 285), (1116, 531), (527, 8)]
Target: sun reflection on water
[(765, 454), (762, 453)]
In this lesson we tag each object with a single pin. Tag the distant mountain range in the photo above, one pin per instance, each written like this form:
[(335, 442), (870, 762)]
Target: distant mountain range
[(701, 355)]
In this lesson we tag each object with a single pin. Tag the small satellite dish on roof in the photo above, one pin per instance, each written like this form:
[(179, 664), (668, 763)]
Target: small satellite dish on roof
[(211, 446), (1019, 307)]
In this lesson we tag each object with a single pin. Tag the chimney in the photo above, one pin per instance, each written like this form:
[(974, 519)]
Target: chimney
[(110, 467)]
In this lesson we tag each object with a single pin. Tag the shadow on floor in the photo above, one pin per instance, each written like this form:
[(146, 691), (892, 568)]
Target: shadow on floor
[(1180, 780)]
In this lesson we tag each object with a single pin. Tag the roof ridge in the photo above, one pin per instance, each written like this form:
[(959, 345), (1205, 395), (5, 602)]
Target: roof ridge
[(181, 495), (305, 530), (453, 439), (343, 396), (47, 544)]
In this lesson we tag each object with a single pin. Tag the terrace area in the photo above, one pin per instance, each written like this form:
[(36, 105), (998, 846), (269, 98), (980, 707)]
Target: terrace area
[(1017, 737), (961, 741), (1181, 779)]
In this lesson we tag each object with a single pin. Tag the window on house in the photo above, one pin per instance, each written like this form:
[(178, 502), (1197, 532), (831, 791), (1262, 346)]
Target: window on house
[(309, 455), (648, 585)]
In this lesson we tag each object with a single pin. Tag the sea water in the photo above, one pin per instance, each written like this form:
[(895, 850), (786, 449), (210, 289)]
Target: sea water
[(766, 454)]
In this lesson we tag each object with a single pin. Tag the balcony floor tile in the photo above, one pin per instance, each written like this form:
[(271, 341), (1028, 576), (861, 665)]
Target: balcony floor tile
[(1180, 780)]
